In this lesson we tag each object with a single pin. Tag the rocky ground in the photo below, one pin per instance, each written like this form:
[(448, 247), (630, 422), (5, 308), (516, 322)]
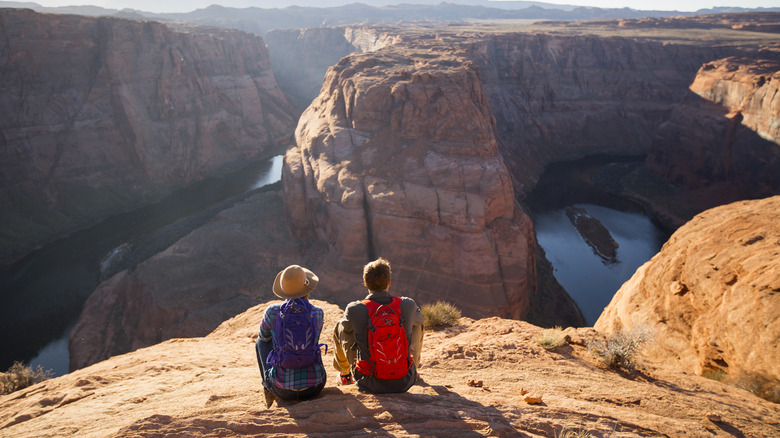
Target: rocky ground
[(473, 381)]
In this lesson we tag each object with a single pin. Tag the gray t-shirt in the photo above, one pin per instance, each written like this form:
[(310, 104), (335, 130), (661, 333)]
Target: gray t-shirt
[(357, 315)]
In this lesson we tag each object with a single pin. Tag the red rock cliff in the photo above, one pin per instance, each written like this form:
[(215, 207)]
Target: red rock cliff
[(397, 158), (99, 115)]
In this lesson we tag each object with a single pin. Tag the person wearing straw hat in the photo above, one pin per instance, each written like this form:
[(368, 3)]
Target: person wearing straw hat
[(287, 373)]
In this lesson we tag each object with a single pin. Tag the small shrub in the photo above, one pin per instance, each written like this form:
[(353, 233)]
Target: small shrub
[(714, 374), (20, 376), (619, 350), (440, 314), (763, 387), (573, 433), (552, 338)]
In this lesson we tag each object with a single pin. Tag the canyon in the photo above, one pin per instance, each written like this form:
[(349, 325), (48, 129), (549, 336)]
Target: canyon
[(102, 115), (419, 145), (421, 151)]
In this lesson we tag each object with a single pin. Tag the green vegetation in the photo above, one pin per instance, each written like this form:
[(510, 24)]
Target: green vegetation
[(440, 314), (20, 376), (552, 338), (620, 349)]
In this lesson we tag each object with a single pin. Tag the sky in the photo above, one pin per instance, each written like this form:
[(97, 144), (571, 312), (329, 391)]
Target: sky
[(190, 5)]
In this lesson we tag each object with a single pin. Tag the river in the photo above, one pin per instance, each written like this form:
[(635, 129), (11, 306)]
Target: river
[(42, 294), (589, 279)]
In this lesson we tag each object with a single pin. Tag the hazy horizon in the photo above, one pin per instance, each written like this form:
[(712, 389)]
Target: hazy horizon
[(188, 6)]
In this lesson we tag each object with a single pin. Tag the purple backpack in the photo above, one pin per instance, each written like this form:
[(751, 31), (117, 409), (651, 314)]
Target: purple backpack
[(295, 336)]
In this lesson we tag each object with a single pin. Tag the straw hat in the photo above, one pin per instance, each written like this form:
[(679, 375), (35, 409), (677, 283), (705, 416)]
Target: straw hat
[(294, 281)]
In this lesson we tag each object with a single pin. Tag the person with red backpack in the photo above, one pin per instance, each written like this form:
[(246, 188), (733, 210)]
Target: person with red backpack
[(379, 339), (288, 348)]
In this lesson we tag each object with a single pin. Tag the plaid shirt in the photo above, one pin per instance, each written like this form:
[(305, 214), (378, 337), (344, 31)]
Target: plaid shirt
[(294, 379)]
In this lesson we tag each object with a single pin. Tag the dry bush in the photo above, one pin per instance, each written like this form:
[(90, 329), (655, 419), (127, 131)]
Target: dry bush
[(552, 338), (573, 433), (763, 387), (20, 376), (620, 348), (440, 314)]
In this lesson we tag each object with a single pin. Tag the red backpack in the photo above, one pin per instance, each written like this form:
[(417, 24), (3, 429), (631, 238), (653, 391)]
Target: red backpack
[(387, 344)]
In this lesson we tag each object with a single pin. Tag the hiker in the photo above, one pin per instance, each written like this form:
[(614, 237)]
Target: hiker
[(357, 337), (288, 349)]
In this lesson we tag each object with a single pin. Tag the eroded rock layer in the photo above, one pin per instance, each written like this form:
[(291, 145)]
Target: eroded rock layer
[(100, 115), (712, 295)]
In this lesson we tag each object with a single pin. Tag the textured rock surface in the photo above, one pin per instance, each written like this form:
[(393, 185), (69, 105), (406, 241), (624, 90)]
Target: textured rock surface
[(211, 387), (712, 295), (212, 274), (397, 158), (726, 132), (100, 115)]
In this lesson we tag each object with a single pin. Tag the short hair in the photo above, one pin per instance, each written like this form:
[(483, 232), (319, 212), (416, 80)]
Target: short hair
[(376, 275)]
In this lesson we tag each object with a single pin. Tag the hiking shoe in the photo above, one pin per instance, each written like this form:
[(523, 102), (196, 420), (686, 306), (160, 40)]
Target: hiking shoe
[(269, 397), (346, 380)]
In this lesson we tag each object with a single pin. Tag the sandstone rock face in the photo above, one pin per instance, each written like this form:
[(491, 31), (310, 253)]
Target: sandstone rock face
[(301, 57), (212, 274), (100, 115), (211, 386), (727, 131), (712, 294), (397, 158), (559, 98)]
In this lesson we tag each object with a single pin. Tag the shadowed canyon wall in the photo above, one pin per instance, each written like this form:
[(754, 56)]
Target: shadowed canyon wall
[(726, 133), (559, 98), (100, 115), (300, 57)]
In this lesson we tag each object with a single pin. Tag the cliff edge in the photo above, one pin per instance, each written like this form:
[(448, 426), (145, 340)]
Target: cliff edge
[(473, 379)]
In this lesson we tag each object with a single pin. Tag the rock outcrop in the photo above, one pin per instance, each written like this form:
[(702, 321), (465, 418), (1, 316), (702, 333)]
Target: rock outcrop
[(726, 133), (476, 381), (101, 115), (397, 158), (712, 295)]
